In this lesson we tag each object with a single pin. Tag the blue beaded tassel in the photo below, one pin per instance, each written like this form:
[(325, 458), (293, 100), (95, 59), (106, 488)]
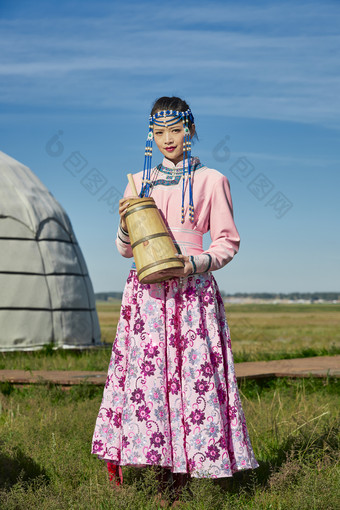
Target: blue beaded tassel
[(146, 181), (187, 155)]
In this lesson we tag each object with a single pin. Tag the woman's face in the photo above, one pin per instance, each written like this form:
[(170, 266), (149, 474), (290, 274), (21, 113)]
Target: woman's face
[(169, 139)]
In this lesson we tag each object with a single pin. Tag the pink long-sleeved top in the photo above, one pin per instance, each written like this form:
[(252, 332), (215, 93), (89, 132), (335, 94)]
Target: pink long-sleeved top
[(213, 212)]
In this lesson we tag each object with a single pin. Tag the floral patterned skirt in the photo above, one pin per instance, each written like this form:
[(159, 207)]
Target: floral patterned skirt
[(171, 396)]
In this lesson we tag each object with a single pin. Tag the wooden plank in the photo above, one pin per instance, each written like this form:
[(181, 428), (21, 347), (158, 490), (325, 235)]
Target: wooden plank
[(319, 366)]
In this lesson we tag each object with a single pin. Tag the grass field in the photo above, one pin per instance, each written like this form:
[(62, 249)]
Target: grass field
[(46, 464), (258, 332), (45, 432)]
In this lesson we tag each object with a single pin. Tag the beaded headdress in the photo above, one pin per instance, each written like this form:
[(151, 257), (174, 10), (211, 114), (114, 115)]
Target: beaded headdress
[(159, 119)]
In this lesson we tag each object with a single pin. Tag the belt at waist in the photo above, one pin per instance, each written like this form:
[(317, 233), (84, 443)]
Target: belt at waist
[(190, 242)]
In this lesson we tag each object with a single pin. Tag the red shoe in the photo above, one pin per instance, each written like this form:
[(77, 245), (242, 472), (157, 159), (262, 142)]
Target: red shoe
[(115, 473)]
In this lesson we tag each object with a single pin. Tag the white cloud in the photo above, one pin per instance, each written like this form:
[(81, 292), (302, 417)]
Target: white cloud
[(261, 61)]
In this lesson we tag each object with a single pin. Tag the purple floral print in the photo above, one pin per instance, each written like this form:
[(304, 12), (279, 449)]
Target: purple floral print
[(153, 457), (174, 386), (201, 386), (213, 453), (97, 446), (171, 396), (148, 368), (137, 396), (157, 439), (197, 417), (151, 351), (143, 413), (207, 369)]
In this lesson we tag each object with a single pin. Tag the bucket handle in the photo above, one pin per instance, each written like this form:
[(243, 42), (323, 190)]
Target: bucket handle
[(132, 185)]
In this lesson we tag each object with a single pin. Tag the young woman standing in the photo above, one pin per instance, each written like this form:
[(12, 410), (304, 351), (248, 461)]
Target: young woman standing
[(171, 397)]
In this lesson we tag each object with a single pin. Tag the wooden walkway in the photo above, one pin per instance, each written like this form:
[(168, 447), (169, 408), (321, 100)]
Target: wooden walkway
[(320, 366)]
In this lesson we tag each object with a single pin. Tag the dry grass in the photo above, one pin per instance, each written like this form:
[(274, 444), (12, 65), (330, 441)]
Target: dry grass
[(256, 329), (258, 332), (108, 313), (283, 331)]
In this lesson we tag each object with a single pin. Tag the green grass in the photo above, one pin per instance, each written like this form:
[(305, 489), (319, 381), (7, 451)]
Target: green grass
[(258, 332), (45, 436), (45, 432), (49, 359)]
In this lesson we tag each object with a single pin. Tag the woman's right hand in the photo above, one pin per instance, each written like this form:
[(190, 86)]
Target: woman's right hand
[(123, 205)]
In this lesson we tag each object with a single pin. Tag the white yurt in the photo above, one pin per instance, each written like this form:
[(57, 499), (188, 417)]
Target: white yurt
[(46, 295)]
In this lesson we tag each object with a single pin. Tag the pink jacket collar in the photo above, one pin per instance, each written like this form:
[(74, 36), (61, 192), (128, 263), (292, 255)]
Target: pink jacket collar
[(169, 164)]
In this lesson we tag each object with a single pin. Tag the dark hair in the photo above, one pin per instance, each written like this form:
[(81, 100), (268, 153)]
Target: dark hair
[(171, 103)]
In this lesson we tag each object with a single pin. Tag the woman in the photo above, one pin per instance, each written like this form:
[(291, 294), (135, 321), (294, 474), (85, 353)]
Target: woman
[(171, 396)]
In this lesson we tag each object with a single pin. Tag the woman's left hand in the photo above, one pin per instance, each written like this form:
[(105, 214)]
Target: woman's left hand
[(187, 269), (180, 272)]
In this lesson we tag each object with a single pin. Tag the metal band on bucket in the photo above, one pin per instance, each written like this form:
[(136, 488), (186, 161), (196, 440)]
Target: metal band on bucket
[(154, 264), (139, 209), (147, 238)]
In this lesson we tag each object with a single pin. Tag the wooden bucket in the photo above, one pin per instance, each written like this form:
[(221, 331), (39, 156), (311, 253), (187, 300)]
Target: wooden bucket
[(153, 249)]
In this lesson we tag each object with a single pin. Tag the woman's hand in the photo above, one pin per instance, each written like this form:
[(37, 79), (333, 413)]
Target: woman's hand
[(123, 205), (187, 269)]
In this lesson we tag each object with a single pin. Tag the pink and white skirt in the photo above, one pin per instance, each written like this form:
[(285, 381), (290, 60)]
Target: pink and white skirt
[(171, 397)]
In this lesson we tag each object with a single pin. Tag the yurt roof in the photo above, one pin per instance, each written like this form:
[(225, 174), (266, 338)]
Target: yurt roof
[(24, 197)]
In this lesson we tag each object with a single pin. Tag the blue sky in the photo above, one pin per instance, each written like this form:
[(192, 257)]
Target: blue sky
[(263, 81)]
